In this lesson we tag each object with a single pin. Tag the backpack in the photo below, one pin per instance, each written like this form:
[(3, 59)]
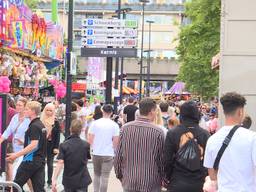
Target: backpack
[(190, 153), (165, 121)]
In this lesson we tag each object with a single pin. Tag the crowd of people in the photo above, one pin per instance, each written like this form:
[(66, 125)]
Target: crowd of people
[(152, 146)]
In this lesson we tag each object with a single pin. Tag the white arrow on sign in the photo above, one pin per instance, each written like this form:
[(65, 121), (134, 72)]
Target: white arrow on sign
[(103, 42), (102, 32)]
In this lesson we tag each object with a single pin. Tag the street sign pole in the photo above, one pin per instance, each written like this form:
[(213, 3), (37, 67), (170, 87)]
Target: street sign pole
[(69, 76), (117, 67), (141, 54), (109, 80)]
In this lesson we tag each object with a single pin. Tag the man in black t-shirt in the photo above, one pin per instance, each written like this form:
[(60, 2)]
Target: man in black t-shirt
[(130, 110), (33, 164), (74, 154)]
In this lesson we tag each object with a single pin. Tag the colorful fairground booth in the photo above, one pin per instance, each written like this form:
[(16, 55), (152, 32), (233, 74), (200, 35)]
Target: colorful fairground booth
[(29, 46)]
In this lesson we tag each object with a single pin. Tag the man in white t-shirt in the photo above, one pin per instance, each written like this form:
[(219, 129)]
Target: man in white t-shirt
[(103, 136), (237, 165)]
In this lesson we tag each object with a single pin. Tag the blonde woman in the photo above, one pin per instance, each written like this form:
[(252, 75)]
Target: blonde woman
[(48, 117), (159, 120)]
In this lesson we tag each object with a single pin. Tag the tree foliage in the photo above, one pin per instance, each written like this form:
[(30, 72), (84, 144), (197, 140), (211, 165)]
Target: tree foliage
[(199, 41), (32, 4)]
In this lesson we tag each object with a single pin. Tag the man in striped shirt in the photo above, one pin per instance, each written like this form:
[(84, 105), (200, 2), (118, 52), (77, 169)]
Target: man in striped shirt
[(139, 155)]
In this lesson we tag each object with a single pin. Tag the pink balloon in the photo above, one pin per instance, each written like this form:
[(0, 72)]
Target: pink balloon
[(1, 89)]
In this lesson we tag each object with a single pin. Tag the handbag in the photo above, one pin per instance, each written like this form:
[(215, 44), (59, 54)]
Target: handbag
[(9, 147), (224, 146)]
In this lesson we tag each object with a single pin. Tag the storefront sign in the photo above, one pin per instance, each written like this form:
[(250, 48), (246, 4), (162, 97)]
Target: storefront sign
[(78, 87)]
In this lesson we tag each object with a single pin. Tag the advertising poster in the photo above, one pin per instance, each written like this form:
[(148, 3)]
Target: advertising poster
[(3, 113)]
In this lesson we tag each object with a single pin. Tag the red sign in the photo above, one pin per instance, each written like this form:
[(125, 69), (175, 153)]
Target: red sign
[(78, 87)]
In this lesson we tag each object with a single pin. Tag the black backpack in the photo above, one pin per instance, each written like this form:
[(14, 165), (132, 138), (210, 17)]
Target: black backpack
[(188, 155)]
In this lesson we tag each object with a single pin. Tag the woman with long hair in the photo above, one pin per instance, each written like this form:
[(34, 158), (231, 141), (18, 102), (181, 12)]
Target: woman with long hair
[(48, 117), (159, 120)]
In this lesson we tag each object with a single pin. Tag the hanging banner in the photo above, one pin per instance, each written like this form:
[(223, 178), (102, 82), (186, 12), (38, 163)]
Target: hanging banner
[(95, 68), (54, 41)]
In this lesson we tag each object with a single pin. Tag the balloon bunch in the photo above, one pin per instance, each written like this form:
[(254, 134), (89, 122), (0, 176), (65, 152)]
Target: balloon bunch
[(5, 84), (60, 91)]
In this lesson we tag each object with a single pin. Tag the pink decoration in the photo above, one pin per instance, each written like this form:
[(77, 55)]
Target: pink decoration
[(60, 90), (5, 84), (53, 82)]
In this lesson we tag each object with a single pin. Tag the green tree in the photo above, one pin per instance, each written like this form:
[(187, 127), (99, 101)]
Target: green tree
[(32, 4), (199, 41)]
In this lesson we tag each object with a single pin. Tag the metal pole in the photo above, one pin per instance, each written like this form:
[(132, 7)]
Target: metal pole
[(117, 65), (141, 55), (148, 68), (69, 76), (109, 80), (122, 71)]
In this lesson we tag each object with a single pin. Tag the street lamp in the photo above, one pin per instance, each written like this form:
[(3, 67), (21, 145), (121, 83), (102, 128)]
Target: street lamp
[(148, 62), (142, 41), (123, 11)]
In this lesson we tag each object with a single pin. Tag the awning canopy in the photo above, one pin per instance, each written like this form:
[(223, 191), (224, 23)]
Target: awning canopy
[(52, 64), (177, 88), (129, 91)]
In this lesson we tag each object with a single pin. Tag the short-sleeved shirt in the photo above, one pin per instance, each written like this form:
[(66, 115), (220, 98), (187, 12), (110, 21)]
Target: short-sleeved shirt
[(238, 163), (75, 153), (36, 131), (17, 130), (104, 130), (130, 111)]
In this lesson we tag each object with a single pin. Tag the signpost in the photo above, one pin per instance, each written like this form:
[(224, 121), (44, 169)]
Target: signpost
[(103, 42), (109, 23), (99, 32), (109, 38)]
